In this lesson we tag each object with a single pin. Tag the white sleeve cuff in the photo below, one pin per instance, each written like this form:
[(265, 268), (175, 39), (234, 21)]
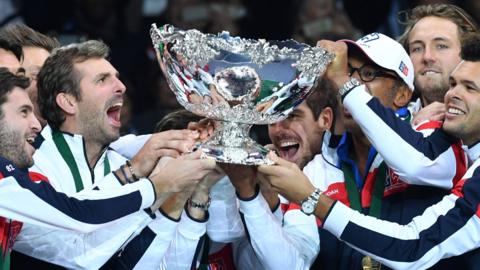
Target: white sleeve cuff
[(147, 191), (162, 224), (257, 207), (358, 95), (190, 228), (338, 218)]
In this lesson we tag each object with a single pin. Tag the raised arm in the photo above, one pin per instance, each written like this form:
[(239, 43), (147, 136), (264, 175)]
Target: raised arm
[(38, 203), (437, 160), (448, 228)]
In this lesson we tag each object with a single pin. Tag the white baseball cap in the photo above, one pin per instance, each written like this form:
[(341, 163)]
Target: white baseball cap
[(387, 53)]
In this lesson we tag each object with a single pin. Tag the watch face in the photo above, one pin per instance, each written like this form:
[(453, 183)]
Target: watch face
[(308, 207)]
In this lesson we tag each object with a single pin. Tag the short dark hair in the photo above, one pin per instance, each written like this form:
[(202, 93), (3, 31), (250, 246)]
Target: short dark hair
[(321, 96), (8, 81), (11, 47), (25, 36), (471, 48), (464, 22), (177, 120), (58, 75)]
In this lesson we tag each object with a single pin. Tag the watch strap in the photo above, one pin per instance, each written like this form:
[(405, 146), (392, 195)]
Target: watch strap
[(312, 198), (347, 87)]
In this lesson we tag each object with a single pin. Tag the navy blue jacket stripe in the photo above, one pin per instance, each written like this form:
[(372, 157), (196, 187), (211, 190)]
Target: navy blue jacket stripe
[(389, 247), (82, 210), (198, 249), (134, 251), (437, 143)]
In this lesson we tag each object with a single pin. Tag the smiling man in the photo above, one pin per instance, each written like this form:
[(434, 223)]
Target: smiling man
[(449, 228), (352, 171), (299, 137), (432, 38)]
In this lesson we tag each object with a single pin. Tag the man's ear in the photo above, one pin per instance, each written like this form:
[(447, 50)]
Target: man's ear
[(402, 97), (67, 103), (325, 119)]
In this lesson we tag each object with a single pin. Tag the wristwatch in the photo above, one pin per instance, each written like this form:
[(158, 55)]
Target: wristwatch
[(348, 86), (309, 204)]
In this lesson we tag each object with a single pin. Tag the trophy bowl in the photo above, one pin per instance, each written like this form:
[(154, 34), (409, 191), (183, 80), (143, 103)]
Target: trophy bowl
[(237, 83)]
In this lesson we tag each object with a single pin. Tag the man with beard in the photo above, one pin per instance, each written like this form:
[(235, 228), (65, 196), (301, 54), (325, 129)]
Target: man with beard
[(406, 191), (432, 38), (292, 236), (34, 49), (92, 210), (448, 228), (351, 170), (81, 96), (297, 138)]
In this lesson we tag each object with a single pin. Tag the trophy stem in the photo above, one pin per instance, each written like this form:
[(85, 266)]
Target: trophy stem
[(231, 143)]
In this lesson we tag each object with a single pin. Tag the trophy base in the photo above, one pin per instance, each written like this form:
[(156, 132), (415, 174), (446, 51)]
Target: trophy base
[(255, 155), (230, 143)]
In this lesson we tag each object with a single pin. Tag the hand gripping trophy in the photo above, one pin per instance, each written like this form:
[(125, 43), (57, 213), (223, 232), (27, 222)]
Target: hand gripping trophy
[(236, 82)]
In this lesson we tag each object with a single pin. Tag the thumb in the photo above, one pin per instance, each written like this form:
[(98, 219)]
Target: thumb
[(276, 159), (208, 163)]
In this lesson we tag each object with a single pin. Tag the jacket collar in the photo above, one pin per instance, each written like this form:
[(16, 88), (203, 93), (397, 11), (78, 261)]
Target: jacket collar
[(473, 151)]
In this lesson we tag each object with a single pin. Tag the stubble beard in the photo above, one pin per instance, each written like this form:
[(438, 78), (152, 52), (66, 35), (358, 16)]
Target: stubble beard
[(431, 93), (13, 147), (94, 128)]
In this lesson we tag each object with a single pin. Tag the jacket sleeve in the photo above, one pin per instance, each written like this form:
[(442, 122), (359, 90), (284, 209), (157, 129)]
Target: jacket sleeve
[(77, 250), (129, 145), (448, 228), (437, 160), (291, 246), (85, 213), (147, 249), (224, 224), (140, 246), (186, 243)]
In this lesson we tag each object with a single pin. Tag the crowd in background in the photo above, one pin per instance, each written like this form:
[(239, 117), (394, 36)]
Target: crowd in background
[(124, 26)]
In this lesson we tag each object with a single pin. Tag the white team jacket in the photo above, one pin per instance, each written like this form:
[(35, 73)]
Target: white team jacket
[(84, 212), (294, 235), (92, 250), (223, 225)]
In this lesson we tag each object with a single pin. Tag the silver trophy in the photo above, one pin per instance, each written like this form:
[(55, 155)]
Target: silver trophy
[(236, 82)]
